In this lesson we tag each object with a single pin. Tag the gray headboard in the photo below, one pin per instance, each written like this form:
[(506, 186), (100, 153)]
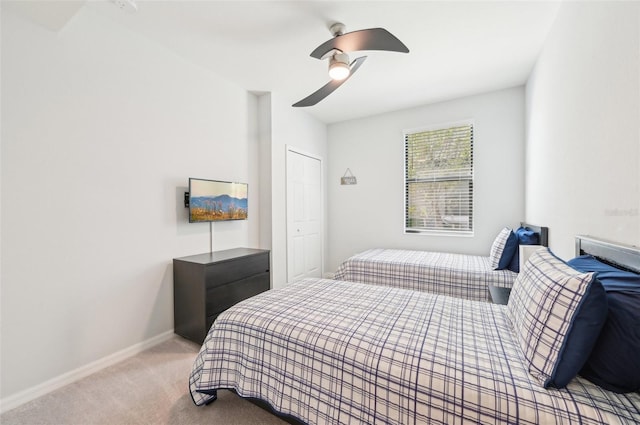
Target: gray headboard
[(619, 255), (542, 231)]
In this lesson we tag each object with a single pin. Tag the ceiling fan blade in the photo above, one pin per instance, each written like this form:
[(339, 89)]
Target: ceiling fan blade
[(328, 88), (370, 39)]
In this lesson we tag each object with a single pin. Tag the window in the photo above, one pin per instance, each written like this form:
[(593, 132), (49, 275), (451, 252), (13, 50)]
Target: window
[(439, 180)]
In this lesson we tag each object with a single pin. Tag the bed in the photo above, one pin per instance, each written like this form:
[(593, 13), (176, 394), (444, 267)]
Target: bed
[(323, 351), (456, 275)]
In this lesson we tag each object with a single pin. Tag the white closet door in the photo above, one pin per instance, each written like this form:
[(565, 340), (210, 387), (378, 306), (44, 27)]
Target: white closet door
[(304, 216)]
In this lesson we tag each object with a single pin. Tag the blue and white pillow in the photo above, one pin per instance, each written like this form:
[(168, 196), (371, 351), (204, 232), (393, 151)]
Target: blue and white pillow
[(557, 313), (503, 248)]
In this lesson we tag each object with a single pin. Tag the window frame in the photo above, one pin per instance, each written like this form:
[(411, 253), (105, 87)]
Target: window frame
[(443, 232)]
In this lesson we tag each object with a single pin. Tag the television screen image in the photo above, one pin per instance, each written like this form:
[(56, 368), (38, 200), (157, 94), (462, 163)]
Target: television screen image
[(213, 200)]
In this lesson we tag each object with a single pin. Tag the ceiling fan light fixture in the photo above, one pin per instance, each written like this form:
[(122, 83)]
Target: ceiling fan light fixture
[(340, 70), (339, 66)]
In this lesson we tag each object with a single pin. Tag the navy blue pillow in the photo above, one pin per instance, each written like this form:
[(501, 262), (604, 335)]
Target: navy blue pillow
[(614, 363), (613, 279), (510, 249), (525, 236), (581, 339)]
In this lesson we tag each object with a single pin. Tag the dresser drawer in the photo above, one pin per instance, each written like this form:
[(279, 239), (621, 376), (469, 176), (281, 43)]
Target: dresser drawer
[(204, 285), (220, 298), (233, 270), (210, 320)]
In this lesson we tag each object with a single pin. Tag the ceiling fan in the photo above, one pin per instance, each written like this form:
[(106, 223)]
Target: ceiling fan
[(336, 48)]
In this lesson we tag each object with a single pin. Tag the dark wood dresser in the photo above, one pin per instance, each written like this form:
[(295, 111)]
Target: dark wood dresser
[(205, 285), (499, 295)]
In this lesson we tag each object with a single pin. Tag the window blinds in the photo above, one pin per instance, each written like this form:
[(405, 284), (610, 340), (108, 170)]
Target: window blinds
[(439, 180)]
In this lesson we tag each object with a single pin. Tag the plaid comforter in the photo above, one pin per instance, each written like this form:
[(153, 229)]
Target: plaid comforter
[(455, 275), (329, 352)]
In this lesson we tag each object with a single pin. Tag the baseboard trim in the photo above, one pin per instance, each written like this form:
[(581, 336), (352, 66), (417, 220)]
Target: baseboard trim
[(24, 396)]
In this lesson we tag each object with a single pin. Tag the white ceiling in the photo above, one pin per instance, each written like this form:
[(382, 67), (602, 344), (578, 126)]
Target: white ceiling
[(456, 48)]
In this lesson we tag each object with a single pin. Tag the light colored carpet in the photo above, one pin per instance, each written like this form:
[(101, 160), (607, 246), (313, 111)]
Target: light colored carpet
[(149, 388)]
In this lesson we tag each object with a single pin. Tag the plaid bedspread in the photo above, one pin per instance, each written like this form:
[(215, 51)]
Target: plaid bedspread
[(329, 352), (455, 275)]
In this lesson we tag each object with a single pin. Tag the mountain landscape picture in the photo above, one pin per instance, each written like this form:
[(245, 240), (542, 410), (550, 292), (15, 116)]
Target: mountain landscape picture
[(212, 200)]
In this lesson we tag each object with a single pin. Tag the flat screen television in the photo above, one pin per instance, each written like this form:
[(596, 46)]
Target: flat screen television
[(214, 200)]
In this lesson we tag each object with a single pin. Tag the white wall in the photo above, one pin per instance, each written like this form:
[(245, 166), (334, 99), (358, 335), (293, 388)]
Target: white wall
[(264, 140), (370, 214), (101, 129), (583, 126), (295, 128)]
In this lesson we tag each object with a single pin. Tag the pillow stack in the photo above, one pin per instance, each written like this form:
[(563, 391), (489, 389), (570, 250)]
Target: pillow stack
[(614, 362), (557, 313), (525, 236), (502, 249)]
